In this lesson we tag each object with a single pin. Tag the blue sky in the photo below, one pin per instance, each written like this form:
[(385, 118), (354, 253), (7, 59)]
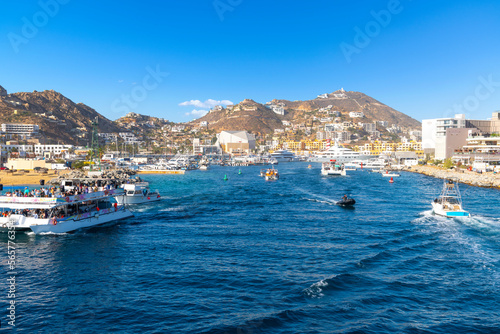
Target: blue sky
[(174, 59)]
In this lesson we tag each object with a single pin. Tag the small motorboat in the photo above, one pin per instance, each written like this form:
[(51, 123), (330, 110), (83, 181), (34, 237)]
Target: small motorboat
[(346, 201), (390, 174), (449, 203)]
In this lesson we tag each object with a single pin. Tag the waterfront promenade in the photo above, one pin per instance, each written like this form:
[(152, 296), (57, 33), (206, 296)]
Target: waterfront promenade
[(464, 176)]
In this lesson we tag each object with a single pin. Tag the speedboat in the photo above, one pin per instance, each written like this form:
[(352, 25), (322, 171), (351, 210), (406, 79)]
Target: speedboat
[(62, 212), (332, 168), (390, 174), (137, 193), (449, 203)]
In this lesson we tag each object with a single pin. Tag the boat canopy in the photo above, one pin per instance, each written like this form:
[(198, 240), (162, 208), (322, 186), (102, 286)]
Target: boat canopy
[(49, 202)]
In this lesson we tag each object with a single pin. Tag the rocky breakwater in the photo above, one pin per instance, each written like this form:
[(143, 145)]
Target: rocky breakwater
[(117, 175), (463, 176)]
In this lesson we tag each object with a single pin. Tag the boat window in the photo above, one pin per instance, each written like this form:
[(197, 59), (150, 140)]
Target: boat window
[(130, 192)]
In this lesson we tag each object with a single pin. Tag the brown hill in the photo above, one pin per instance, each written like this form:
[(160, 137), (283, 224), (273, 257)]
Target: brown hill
[(59, 118), (346, 102), (248, 115)]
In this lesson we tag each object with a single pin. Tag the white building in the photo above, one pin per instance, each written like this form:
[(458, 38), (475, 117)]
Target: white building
[(356, 114), (434, 133), (369, 127), (20, 129), (236, 142), (54, 149), (323, 96), (279, 110)]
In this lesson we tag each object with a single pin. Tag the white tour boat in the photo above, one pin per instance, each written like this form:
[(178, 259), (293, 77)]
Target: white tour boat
[(138, 193), (61, 214), (449, 203), (332, 168)]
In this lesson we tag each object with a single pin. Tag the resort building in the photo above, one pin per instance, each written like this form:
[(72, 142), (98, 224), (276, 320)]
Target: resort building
[(443, 136), (26, 130), (236, 142)]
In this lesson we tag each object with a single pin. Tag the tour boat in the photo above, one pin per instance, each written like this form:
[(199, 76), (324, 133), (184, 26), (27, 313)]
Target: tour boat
[(449, 203), (61, 214), (332, 168), (138, 193)]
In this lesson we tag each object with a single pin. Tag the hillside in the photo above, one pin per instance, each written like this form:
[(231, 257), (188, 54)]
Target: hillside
[(346, 102), (59, 118), (247, 115)]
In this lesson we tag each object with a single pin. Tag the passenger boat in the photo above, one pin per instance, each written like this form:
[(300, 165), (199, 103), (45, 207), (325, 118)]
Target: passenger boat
[(332, 168), (61, 214), (449, 203), (272, 175), (137, 193)]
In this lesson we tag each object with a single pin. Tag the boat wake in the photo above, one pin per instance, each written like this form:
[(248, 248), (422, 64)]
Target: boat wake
[(472, 239), (317, 198)]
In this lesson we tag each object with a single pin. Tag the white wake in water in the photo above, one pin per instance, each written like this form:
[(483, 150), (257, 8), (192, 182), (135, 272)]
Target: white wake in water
[(317, 198), (471, 238)]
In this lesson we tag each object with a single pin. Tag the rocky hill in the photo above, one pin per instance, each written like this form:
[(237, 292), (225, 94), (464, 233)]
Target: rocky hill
[(247, 115), (59, 118), (258, 118), (346, 102)]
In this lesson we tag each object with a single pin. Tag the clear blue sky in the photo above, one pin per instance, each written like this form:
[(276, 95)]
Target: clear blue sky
[(421, 57)]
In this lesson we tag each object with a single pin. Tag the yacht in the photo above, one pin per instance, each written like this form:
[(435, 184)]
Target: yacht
[(339, 154), (332, 168), (137, 193), (284, 156), (449, 203), (61, 213)]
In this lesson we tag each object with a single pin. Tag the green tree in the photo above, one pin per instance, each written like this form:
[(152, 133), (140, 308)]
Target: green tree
[(448, 163)]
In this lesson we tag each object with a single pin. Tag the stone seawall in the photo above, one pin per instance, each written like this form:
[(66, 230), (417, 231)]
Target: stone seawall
[(464, 176)]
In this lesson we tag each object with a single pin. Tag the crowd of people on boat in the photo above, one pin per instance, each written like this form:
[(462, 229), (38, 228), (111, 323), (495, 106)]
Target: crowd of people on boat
[(56, 191)]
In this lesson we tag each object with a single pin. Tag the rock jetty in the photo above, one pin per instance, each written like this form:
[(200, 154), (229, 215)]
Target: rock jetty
[(118, 175), (487, 180)]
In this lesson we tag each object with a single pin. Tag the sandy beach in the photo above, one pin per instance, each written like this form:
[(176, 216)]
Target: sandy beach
[(28, 178)]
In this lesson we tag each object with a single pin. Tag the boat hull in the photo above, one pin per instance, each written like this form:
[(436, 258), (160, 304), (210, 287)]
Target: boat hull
[(73, 224), (137, 199), (449, 212)]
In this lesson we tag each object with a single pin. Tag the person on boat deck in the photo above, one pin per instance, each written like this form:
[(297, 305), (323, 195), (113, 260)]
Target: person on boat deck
[(345, 197)]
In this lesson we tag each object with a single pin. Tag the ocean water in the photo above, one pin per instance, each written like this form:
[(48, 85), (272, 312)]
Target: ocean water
[(250, 256)]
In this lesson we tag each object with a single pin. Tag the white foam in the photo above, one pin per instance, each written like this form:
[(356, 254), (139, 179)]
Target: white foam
[(316, 289)]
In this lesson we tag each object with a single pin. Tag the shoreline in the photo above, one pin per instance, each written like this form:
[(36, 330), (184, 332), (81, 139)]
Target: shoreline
[(8, 179), (484, 180)]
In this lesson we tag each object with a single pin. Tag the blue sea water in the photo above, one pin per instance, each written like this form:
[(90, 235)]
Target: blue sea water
[(250, 256)]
